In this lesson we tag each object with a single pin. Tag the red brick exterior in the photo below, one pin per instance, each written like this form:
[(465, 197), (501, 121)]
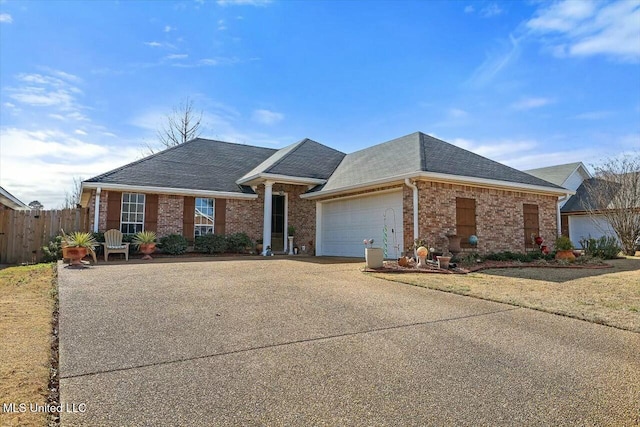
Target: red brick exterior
[(170, 214), (242, 216), (499, 215)]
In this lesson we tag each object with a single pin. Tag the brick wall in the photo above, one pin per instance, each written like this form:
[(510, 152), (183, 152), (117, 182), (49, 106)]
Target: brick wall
[(170, 211), (245, 216), (499, 215)]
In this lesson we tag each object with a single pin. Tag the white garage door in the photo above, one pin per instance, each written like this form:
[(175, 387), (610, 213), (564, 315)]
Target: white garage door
[(583, 226), (344, 224)]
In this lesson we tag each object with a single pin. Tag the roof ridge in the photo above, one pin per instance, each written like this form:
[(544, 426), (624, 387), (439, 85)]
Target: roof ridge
[(281, 159)]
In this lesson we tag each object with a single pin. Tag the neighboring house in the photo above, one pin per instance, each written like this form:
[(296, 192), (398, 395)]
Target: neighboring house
[(575, 221), (9, 202), (414, 186)]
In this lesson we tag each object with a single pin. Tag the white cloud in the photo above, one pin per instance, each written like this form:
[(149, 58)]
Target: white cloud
[(80, 132), (5, 18), (469, 9), (495, 62), (40, 164), (267, 117), (593, 115), (588, 28), (243, 2), (168, 28), (221, 25), (492, 9), (177, 56), (457, 113), (529, 103)]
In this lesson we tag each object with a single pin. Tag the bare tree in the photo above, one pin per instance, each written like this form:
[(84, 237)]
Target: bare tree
[(614, 195), (72, 198), (182, 125)]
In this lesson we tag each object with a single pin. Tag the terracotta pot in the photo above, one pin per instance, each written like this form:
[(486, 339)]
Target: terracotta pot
[(147, 249), (568, 255), (259, 248), (74, 254), (444, 261)]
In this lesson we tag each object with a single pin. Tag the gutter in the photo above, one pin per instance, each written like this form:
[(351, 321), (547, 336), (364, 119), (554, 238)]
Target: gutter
[(445, 178), (168, 190)]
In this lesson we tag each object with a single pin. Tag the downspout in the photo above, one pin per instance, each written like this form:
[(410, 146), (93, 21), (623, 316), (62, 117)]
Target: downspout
[(96, 213), (559, 214), (415, 208)]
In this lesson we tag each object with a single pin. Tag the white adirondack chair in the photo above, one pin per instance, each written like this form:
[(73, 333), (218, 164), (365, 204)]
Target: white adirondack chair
[(113, 244)]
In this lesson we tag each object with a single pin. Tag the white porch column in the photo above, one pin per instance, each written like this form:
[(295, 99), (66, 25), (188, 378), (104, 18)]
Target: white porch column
[(266, 227), (96, 213)]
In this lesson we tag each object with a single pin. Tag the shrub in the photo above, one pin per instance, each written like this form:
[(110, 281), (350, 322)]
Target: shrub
[(211, 244), (563, 243), (467, 258), (606, 247), (53, 251), (515, 256), (238, 242), (173, 244)]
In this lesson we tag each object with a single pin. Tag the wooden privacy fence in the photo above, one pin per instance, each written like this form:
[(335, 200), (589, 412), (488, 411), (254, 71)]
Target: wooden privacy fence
[(24, 233)]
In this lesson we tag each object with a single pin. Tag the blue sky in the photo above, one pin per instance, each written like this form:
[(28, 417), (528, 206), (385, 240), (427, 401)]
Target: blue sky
[(85, 85)]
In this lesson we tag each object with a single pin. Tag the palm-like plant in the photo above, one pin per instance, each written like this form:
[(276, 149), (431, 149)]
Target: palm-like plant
[(80, 239), (143, 238)]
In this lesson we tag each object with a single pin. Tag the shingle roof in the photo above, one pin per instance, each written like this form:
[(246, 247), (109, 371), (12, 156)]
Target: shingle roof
[(582, 200), (305, 158), (555, 174), (419, 152), (200, 164)]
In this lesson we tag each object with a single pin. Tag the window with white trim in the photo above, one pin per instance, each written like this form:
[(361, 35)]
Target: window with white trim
[(132, 213), (204, 219)]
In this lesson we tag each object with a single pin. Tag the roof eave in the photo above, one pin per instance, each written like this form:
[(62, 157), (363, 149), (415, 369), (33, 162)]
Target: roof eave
[(446, 178), (285, 179), (168, 190)]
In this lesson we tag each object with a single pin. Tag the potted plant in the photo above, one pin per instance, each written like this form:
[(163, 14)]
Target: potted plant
[(145, 241), (259, 246), (76, 246), (564, 249), (292, 230), (374, 257)]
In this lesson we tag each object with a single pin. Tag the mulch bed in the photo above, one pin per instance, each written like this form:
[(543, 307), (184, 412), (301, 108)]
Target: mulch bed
[(393, 267)]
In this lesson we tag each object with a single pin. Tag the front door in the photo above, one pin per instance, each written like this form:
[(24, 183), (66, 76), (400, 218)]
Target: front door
[(277, 223)]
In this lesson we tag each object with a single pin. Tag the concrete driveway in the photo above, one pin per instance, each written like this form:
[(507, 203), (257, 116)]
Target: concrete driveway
[(316, 342)]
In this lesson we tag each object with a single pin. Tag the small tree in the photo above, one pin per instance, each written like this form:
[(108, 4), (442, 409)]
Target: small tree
[(182, 125), (36, 205), (615, 196), (72, 198)]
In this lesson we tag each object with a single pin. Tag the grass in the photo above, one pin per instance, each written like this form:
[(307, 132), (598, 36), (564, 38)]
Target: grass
[(27, 298), (608, 296)]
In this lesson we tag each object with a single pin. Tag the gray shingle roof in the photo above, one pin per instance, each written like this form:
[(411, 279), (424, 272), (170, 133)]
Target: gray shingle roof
[(200, 164), (555, 174), (420, 152), (305, 158), (582, 201)]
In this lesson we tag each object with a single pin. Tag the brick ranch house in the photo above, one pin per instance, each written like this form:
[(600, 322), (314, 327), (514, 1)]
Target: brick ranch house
[(416, 186)]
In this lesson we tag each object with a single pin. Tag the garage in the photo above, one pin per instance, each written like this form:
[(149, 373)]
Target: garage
[(585, 226), (345, 223)]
